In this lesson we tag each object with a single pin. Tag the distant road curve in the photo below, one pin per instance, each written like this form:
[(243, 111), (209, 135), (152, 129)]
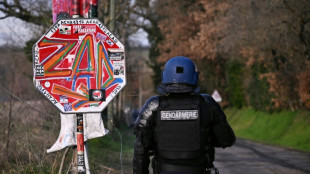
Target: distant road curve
[(247, 157)]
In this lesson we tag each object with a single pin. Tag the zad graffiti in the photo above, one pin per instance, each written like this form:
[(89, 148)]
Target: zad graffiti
[(73, 67)]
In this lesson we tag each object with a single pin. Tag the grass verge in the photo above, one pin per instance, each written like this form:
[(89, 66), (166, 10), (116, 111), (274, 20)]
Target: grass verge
[(286, 128), (104, 152)]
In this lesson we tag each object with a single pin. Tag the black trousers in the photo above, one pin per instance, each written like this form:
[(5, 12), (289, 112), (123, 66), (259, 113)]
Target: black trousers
[(168, 172), (176, 169)]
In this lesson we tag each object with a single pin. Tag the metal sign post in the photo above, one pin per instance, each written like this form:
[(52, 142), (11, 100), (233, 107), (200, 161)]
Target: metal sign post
[(81, 167), (80, 144)]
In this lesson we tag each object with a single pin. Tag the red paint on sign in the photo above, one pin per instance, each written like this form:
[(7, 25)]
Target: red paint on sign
[(72, 58), (80, 142)]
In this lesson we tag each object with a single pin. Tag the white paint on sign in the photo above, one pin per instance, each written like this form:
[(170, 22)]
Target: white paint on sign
[(47, 84), (93, 128)]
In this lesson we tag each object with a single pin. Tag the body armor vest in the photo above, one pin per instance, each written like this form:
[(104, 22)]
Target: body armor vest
[(178, 127)]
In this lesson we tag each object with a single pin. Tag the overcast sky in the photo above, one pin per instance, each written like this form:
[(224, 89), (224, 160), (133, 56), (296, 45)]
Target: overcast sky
[(15, 31)]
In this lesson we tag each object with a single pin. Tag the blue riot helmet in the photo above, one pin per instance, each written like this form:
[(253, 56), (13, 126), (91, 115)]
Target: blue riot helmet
[(180, 70)]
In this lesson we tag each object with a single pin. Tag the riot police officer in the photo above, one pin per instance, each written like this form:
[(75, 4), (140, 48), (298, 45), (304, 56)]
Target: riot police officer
[(180, 127)]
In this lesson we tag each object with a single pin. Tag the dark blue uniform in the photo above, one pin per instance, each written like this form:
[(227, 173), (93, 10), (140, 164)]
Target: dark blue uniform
[(191, 125), (181, 127)]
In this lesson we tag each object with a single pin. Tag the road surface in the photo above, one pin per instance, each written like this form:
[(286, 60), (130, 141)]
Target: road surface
[(247, 157)]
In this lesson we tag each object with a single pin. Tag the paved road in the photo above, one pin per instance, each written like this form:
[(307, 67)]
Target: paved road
[(247, 157)]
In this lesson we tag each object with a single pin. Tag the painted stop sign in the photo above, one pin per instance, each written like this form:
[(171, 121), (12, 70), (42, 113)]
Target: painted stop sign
[(79, 65)]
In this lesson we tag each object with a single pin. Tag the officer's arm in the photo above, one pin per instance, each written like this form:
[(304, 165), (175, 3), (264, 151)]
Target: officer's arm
[(144, 138), (223, 135)]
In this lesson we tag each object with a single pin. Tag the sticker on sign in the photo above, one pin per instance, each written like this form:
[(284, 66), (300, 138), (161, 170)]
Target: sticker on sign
[(79, 65)]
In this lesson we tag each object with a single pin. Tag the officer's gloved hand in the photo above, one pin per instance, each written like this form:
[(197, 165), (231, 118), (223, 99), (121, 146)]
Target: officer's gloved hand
[(213, 170)]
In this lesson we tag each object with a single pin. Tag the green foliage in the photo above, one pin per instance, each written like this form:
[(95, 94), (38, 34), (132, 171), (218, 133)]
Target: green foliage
[(155, 36), (28, 48), (220, 31), (156, 67), (258, 89), (207, 79), (28, 168), (285, 128), (235, 89), (105, 151)]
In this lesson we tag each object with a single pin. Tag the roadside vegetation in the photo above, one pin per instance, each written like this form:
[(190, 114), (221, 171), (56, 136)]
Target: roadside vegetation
[(284, 128), (112, 153), (23, 145)]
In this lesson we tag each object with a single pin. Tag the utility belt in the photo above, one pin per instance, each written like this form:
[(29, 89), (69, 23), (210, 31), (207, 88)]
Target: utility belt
[(158, 168)]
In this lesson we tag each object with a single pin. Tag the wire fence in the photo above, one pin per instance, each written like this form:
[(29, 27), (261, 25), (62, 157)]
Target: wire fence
[(31, 127)]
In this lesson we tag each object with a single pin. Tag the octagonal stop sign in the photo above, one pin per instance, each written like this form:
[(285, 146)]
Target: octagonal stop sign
[(79, 65)]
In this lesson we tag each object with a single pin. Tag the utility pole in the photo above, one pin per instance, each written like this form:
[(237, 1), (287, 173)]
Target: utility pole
[(112, 15), (78, 165), (111, 108)]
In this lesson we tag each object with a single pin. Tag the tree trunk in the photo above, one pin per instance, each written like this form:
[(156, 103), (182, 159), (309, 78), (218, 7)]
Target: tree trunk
[(74, 164)]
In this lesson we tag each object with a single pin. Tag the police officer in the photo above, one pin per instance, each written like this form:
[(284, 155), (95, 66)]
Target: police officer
[(180, 127)]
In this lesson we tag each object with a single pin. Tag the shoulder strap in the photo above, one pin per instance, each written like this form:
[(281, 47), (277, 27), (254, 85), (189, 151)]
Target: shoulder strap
[(196, 101), (163, 102)]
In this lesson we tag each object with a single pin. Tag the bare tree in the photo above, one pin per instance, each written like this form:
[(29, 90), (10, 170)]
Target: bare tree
[(33, 11)]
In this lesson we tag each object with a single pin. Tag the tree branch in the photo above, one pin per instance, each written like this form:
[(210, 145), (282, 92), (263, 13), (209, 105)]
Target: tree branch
[(63, 159), (16, 10), (3, 17)]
